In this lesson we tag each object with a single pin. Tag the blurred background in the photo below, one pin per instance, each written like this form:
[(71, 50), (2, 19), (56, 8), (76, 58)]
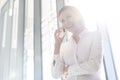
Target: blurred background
[(27, 36)]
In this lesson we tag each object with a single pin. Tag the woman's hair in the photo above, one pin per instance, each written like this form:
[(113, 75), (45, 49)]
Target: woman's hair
[(73, 9)]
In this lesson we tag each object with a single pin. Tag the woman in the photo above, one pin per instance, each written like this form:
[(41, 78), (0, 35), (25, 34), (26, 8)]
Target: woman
[(80, 57)]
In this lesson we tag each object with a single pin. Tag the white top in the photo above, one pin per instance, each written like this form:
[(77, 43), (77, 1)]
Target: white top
[(84, 58)]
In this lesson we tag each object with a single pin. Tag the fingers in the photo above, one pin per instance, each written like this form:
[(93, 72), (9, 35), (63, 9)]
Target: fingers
[(66, 70), (58, 33)]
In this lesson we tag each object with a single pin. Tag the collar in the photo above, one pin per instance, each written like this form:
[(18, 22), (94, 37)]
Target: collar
[(83, 33)]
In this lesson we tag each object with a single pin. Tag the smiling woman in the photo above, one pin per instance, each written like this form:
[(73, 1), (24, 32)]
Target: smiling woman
[(69, 19), (30, 50), (79, 58), (104, 18)]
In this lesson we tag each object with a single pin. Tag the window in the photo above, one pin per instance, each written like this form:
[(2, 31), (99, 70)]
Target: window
[(20, 45), (28, 41), (113, 19), (17, 47), (49, 24)]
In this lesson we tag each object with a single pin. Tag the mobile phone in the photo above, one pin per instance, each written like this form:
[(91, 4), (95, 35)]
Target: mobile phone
[(63, 29)]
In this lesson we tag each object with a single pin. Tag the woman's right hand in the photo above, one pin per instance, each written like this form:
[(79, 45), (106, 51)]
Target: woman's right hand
[(59, 36)]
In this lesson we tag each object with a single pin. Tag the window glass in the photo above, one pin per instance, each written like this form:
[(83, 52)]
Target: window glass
[(28, 41), (49, 24)]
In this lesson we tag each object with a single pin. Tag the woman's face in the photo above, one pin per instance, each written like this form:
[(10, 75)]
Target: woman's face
[(70, 20)]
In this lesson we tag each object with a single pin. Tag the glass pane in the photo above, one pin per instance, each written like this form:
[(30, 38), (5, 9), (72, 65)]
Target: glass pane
[(3, 55), (4, 29), (113, 25), (28, 67), (49, 24), (28, 44), (13, 55)]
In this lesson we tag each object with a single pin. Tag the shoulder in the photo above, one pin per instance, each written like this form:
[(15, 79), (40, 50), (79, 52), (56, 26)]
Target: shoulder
[(96, 37), (94, 34)]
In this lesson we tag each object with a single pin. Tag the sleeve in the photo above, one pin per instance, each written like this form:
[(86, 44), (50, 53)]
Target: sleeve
[(93, 64), (57, 66)]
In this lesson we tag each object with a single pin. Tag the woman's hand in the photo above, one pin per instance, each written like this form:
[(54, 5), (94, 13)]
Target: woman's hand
[(66, 70), (59, 36)]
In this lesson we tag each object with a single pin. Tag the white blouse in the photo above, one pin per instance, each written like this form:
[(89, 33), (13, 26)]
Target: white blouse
[(83, 58)]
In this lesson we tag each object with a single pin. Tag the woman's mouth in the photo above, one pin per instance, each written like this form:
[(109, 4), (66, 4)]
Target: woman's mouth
[(69, 26)]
